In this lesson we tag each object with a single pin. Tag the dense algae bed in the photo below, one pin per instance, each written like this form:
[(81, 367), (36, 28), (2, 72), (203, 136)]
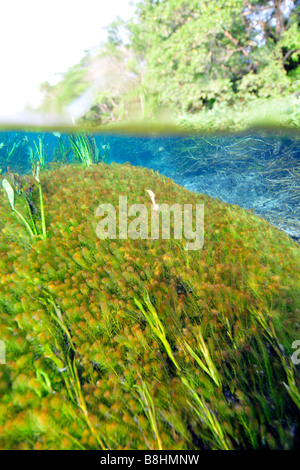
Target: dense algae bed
[(140, 344)]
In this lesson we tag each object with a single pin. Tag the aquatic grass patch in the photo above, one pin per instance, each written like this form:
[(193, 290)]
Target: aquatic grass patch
[(145, 344), (200, 407), (287, 363), (148, 405), (84, 149), (70, 372)]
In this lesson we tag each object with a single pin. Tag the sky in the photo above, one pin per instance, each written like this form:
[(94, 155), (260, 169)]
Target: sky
[(41, 39)]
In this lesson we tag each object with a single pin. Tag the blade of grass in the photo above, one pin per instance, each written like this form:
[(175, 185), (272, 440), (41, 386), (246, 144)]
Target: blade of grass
[(202, 410), (149, 408)]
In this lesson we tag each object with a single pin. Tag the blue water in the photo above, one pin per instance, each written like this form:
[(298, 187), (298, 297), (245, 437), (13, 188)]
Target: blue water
[(259, 171)]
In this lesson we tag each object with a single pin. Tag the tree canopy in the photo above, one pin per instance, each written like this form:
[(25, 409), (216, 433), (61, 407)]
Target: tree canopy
[(195, 56)]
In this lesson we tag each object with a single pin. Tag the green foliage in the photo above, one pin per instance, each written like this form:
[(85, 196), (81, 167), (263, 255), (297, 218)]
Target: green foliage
[(58, 96), (240, 116), (82, 149), (10, 194), (187, 81), (13, 146), (197, 58)]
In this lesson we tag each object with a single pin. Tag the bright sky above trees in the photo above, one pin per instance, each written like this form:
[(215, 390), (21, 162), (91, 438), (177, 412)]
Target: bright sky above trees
[(39, 40)]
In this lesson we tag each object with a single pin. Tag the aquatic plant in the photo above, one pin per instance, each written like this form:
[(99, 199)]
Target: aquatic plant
[(84, 149), (141, 344), (38, 154), (10, 194), (105, 154), (13, 146), (62, 152), (26, 194)]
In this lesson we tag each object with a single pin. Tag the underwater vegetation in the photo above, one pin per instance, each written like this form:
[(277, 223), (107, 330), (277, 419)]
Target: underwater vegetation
[(258, 170), (12, 151), (19, 151), (17, 187), (141, 344)]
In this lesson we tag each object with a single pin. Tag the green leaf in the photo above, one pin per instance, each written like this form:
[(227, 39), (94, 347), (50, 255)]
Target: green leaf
[(9, 191)]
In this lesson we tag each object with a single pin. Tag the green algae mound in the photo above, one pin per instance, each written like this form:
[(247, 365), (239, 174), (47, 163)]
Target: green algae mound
[(142, 344)]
